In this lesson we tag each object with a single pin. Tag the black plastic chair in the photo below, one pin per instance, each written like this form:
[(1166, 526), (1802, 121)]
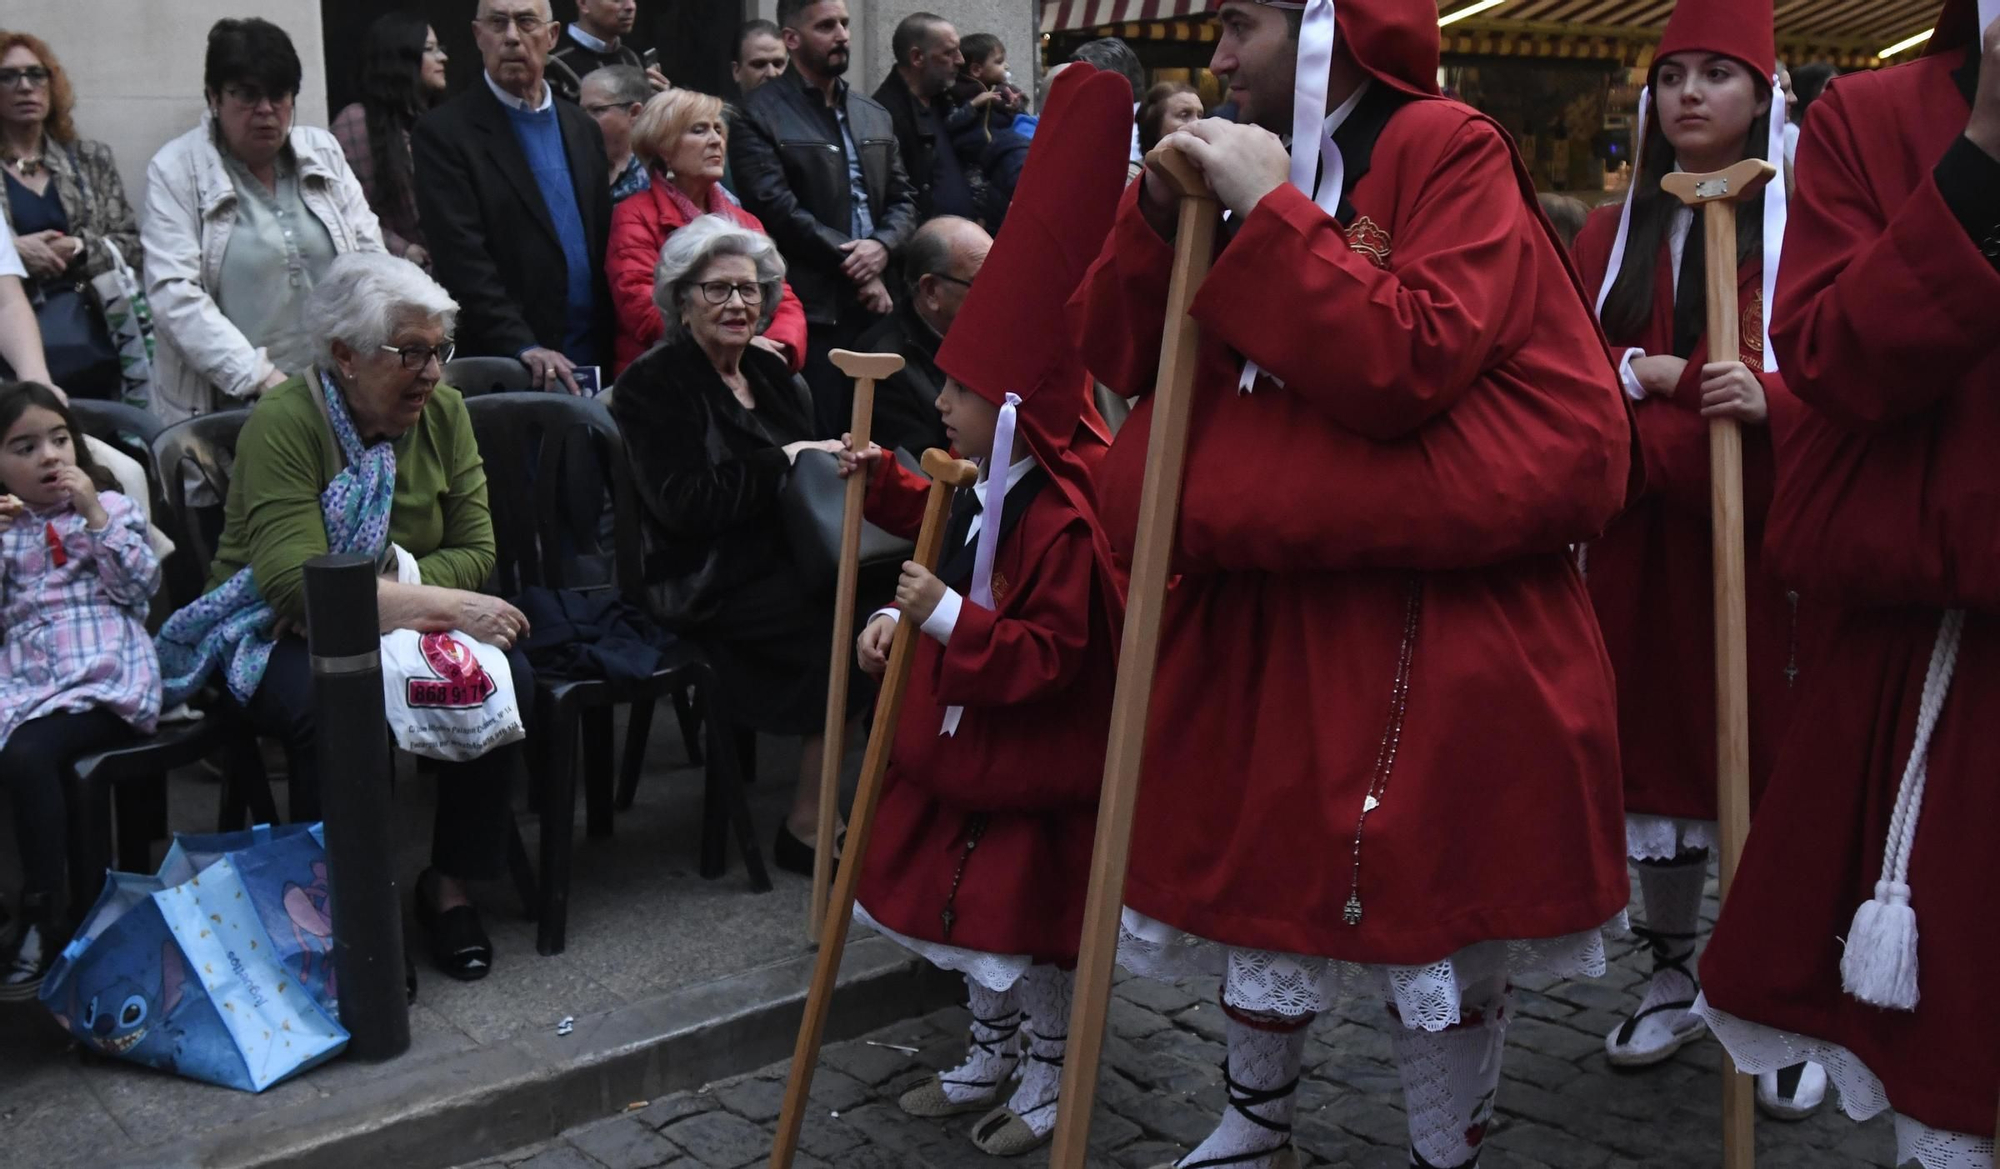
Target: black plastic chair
[(476, 376), (551, 461), (118, 797)]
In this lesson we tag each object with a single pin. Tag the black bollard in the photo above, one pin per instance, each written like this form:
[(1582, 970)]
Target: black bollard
[(354, 764)]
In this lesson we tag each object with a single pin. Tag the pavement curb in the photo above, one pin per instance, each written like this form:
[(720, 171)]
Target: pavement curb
[(480, 1103)]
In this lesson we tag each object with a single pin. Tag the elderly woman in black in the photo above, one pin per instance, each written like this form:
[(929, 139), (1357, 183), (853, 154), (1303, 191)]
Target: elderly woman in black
[(714, 425)]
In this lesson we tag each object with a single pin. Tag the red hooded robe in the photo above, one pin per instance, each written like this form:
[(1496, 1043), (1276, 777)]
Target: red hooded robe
[(1650, 575), (1885, 502), (1019, 779), (1375, 576)]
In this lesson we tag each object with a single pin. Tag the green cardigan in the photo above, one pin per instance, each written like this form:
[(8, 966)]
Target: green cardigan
[(286, 456)]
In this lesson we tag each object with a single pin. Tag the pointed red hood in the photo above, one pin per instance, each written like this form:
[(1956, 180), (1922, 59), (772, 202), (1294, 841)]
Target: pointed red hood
[(1957, 27), (1394, 41)]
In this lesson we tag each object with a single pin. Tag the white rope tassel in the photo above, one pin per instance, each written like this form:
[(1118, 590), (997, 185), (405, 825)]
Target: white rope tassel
[(992, 501), (1879, 966)]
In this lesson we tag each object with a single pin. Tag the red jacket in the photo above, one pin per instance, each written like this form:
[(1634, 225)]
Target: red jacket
[(639, 228)]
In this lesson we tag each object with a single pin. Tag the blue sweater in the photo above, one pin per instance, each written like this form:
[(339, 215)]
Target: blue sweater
[(541, 140)]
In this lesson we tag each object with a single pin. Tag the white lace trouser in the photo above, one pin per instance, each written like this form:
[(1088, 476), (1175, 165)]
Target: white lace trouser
[(1662, 838), (1278, 983), (1757, 1049), (998, 972)]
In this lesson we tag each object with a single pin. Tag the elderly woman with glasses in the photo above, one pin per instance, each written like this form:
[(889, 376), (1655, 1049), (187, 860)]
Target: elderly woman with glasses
[(683, 138), (714, 424), (366, 411), (243, 214)]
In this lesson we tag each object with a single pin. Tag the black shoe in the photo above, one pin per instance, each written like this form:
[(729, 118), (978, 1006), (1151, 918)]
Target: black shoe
[(459, 945), (793, 855), (34, 946)]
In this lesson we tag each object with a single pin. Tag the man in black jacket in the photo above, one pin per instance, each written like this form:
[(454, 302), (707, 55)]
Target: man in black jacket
[(939, 265), (515, 196), (818, 164), (917, 94), (596, 40)]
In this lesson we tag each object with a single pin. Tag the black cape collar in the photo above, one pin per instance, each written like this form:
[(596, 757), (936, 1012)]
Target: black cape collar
[(956, 568)]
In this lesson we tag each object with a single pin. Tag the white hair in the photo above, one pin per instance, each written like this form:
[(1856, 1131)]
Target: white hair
[(364, 296), (689, 251)]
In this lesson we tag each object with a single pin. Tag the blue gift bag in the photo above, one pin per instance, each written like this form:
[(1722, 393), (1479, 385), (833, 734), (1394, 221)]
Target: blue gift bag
[(218, 967)]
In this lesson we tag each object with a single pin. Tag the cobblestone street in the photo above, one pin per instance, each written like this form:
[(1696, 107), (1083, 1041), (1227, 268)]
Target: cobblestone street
[(1560, 1105)]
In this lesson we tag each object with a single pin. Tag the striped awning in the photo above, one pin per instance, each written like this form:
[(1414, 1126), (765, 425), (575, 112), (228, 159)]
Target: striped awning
[(1849, 30)]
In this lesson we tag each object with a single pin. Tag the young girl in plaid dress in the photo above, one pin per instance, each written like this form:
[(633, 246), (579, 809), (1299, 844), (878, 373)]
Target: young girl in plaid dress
[(77, 667)]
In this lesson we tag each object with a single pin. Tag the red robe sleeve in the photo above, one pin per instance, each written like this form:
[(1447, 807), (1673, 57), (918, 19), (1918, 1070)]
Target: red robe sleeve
[(1673, 439), (1414, 338), (895, 499), (1881, 314)]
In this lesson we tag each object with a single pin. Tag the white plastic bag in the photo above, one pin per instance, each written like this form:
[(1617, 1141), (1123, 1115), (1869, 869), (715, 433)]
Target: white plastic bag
[(449, 695)]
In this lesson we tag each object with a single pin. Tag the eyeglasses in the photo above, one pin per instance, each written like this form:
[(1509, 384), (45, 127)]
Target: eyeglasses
[(949, 278), (252, 96), (418, 357), (527, 22), (717, 292), (598, 111), (32, 76)]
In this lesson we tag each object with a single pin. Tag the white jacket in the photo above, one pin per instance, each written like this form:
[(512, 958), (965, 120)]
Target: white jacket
[(203, 362)]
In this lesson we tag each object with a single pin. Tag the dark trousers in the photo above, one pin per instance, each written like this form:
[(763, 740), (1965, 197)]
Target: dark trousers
[(832, 390), (35, 767), (474, 816)]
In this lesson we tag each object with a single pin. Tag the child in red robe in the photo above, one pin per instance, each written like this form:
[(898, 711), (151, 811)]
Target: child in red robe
[(1382, 751), (1860, 929), (1709, 102), (980, 855)]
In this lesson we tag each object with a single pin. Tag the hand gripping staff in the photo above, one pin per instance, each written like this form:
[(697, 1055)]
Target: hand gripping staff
[(946, 475), (866, 369), (1716, 195), (1159, 508)]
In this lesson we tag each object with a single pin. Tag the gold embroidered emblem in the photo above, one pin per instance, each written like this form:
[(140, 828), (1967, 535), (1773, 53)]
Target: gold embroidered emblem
[(1367, 237), (1000, 588), (1750, 325)]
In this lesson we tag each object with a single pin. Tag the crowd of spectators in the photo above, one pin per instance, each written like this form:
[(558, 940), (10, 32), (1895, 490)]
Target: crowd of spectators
[(694, 259)]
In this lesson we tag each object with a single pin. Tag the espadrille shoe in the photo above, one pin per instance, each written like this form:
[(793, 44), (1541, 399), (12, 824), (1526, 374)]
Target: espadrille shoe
[(928, 1100), (1285, 1158), (1003, 1133)]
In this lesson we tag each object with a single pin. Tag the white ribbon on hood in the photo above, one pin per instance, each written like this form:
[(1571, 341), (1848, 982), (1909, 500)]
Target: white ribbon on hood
[(992, 501)]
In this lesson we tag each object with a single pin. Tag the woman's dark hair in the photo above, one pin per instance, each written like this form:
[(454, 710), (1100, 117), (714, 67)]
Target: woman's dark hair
[(16, 397), (1630, 302), (393, 97), (978, 48), (1808, 82), (1153, 112), (251, 51)]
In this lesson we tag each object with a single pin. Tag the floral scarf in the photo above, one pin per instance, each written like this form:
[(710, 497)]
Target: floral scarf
[(231, 626)]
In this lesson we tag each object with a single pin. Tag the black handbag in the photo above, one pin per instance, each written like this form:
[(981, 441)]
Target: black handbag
[(813, 504), (76, 342)]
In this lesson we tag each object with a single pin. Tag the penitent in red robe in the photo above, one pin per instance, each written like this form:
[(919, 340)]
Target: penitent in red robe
[(1887, 501), (1024, 769), (1376, 588), (1650, 574)]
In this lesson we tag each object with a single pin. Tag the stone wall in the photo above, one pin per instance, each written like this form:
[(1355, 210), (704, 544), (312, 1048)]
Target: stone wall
[(136, 65)]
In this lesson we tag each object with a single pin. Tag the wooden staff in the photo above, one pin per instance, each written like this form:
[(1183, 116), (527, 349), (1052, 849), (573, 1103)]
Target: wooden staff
[(1717, 194), (947, 474), (1159, 507), (866, 369)]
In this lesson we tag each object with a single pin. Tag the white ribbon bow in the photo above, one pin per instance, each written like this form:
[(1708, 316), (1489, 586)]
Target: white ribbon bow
[(992, 501)]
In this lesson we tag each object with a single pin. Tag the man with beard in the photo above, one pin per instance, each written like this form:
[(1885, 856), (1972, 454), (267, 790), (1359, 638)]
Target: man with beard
[(917, 94), (818, 164)]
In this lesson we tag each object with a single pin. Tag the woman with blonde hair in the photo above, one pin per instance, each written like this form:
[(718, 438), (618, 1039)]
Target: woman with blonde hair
[(682, 137), (61, 195)]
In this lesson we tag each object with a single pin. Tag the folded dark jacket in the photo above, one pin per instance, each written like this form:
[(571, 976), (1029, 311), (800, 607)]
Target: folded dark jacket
[(584, 635)]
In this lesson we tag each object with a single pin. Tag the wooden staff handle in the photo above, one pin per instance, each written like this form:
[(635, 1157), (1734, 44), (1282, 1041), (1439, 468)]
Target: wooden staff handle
[(1717, 195), (947, 474), (865, 369), (1159, 507)]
